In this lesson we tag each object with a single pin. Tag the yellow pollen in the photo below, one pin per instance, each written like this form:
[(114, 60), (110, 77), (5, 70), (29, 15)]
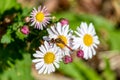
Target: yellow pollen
[(88, 40), (49, 57), (64, 39), (40, 16)]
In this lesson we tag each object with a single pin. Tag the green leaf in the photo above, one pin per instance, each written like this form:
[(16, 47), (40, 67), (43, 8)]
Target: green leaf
[(108, 74), (20, 71), (88, 72), (71, 71), (114, 40), (6, 38), (20, 35), (7, 5)]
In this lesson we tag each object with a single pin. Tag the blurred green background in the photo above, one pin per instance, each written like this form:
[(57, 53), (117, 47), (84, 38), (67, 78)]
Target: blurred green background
[(16, 49)]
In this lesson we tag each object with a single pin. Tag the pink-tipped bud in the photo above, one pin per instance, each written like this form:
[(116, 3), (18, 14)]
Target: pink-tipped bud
[(64, 21), (80, 53), (67, 59), (25, 30)]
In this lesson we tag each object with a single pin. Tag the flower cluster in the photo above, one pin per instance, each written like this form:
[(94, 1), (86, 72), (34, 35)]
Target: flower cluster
[(60, 42)]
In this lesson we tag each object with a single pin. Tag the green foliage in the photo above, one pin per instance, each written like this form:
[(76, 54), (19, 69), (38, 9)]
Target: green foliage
[(20, 71), (20, 35), (7, 5), (71, 71), (114, 39), (88, 72), (78, 70), (11, 52), (108, 74), (6, 38)]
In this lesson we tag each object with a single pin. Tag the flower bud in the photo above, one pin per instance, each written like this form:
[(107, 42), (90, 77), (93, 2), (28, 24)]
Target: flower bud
[(25, 30), (27, 19), (64, 21), (67, 59), (80, 53)]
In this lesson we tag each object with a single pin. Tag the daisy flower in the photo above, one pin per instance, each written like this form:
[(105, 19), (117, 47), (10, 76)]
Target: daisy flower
[(46, 59), (87, 40), (63, 33), (40, 18)]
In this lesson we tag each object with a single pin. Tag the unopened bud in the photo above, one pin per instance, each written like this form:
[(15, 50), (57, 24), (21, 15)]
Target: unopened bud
[(27, 19), (64, 21), (80, 53), (25, 30), (67, 59)]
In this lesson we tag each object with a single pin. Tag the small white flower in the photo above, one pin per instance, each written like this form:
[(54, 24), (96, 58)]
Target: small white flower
[(47, 58), (40, 18), (63, 33), (87, 39)]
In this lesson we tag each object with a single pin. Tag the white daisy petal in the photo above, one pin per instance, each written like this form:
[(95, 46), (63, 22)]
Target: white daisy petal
[(50, 32), (36, 60), (63, 29), (66, 29), (39, 52), (81, 32), (42, 69), (54, 31), (90, 28), (76, 43), (85, 52), (39, 65), (59, 28), (93, 50), (46, 38), (76, 47), (83, 27), (42, 49), (49, 70), (33, 23), (46, 69), (38, 55), (78, 34), (94, 45), (52, 67), (46, 45), (56, 64), (96, 41), (34, 10), (89, 53), (95, 37)]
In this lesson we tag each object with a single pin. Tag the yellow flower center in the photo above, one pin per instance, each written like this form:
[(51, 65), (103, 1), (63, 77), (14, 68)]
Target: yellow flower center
[(88, 40), (64, 39), (49, 57), (40, 16)]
